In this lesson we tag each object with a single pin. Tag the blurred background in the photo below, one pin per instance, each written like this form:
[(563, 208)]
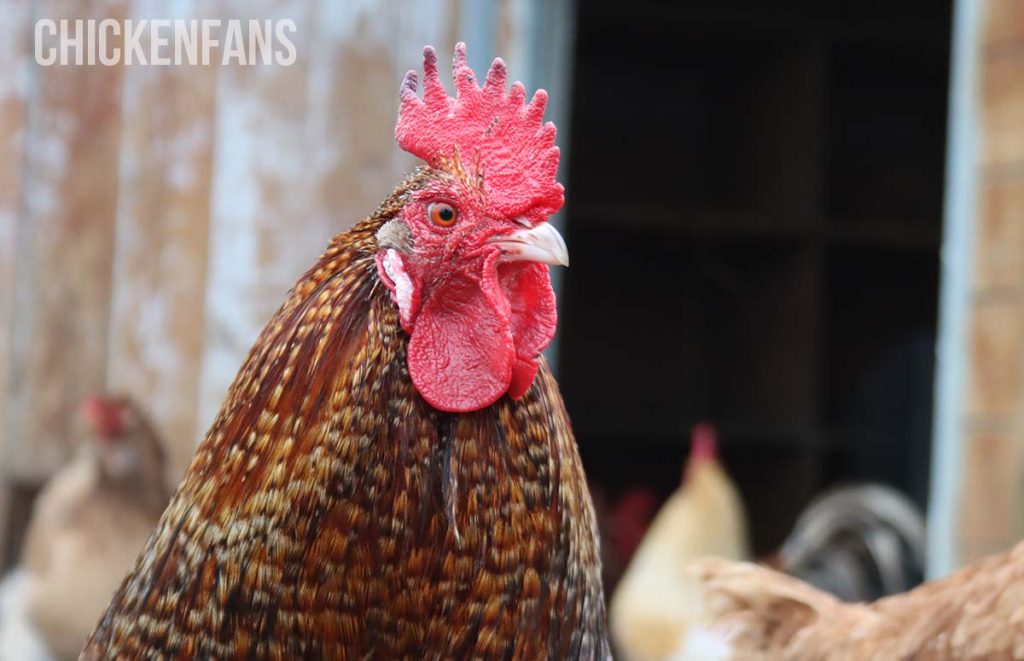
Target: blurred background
[(800, 221)]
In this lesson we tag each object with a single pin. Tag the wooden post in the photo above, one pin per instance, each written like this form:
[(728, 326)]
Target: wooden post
[(991, 503)]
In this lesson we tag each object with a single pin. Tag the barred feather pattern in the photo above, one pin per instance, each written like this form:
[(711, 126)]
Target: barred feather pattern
[(331, 513)]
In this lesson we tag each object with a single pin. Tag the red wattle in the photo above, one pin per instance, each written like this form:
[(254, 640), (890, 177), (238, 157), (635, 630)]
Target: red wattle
[(523, 372), (477, 336), (461, 351), (527, 287)]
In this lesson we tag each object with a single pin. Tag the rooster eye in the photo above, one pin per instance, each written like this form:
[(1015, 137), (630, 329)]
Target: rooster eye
[(442, 213)]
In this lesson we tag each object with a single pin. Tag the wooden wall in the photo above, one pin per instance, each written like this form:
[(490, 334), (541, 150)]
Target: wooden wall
[(152, 218), (992, 497)]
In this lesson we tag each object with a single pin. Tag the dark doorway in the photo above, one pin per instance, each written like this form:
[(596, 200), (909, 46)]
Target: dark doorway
[(755, 205)]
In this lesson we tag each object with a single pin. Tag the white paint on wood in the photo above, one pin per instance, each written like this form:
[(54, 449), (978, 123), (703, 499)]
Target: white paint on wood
[(14, 63), (161, 240), (61, 301), (257, 196)]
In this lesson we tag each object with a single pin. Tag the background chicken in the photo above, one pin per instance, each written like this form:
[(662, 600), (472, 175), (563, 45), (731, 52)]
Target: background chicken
[(87, 527), (19, 638), (857, 542), (751, 613), (393, 474), (656, 601)]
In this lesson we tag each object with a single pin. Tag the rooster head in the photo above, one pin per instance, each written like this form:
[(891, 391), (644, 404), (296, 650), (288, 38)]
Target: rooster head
[(465, 259)]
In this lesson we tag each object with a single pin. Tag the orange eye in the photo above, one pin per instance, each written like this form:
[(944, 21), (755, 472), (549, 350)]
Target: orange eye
[(442, 213)]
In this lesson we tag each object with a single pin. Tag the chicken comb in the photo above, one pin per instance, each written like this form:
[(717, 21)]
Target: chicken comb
[(703, 442), (489, 128), (104, 414)]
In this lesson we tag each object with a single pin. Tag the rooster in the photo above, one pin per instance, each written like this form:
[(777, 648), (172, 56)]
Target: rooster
[(87, 526), (656, 601), (393, 473), (753, 613)]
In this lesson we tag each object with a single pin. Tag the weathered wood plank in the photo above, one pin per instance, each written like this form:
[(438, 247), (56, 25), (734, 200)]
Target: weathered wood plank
[(15, 64), (1002, 99), (991, 514), (999, 237), (1004, 24), (14, 82), (161, 247), (61, 303)]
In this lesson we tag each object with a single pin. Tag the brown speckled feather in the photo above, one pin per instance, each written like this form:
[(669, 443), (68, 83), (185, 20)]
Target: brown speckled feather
[(331, 513)]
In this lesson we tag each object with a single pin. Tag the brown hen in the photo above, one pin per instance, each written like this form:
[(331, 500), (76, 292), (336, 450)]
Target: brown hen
[(752, 613)]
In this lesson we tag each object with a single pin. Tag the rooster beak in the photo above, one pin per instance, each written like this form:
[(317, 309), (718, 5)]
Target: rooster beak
[(541, 244)]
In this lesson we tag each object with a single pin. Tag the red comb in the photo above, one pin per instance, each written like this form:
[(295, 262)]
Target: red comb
[(104, 414), (489, 128), (704, 442)]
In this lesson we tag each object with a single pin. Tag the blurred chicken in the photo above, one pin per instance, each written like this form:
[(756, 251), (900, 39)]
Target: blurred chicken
[(18, 637), (88, 525), (656, 601), (859, 543), (752, 613)]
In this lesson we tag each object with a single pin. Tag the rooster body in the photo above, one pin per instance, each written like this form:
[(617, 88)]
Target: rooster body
[(344, 505)]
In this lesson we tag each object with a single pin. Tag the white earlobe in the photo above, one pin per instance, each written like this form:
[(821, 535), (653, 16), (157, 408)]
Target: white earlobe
[(394, 267)]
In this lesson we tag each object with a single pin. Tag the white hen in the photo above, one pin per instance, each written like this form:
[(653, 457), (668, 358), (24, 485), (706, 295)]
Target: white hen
[(657, 601), (19, 640)]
